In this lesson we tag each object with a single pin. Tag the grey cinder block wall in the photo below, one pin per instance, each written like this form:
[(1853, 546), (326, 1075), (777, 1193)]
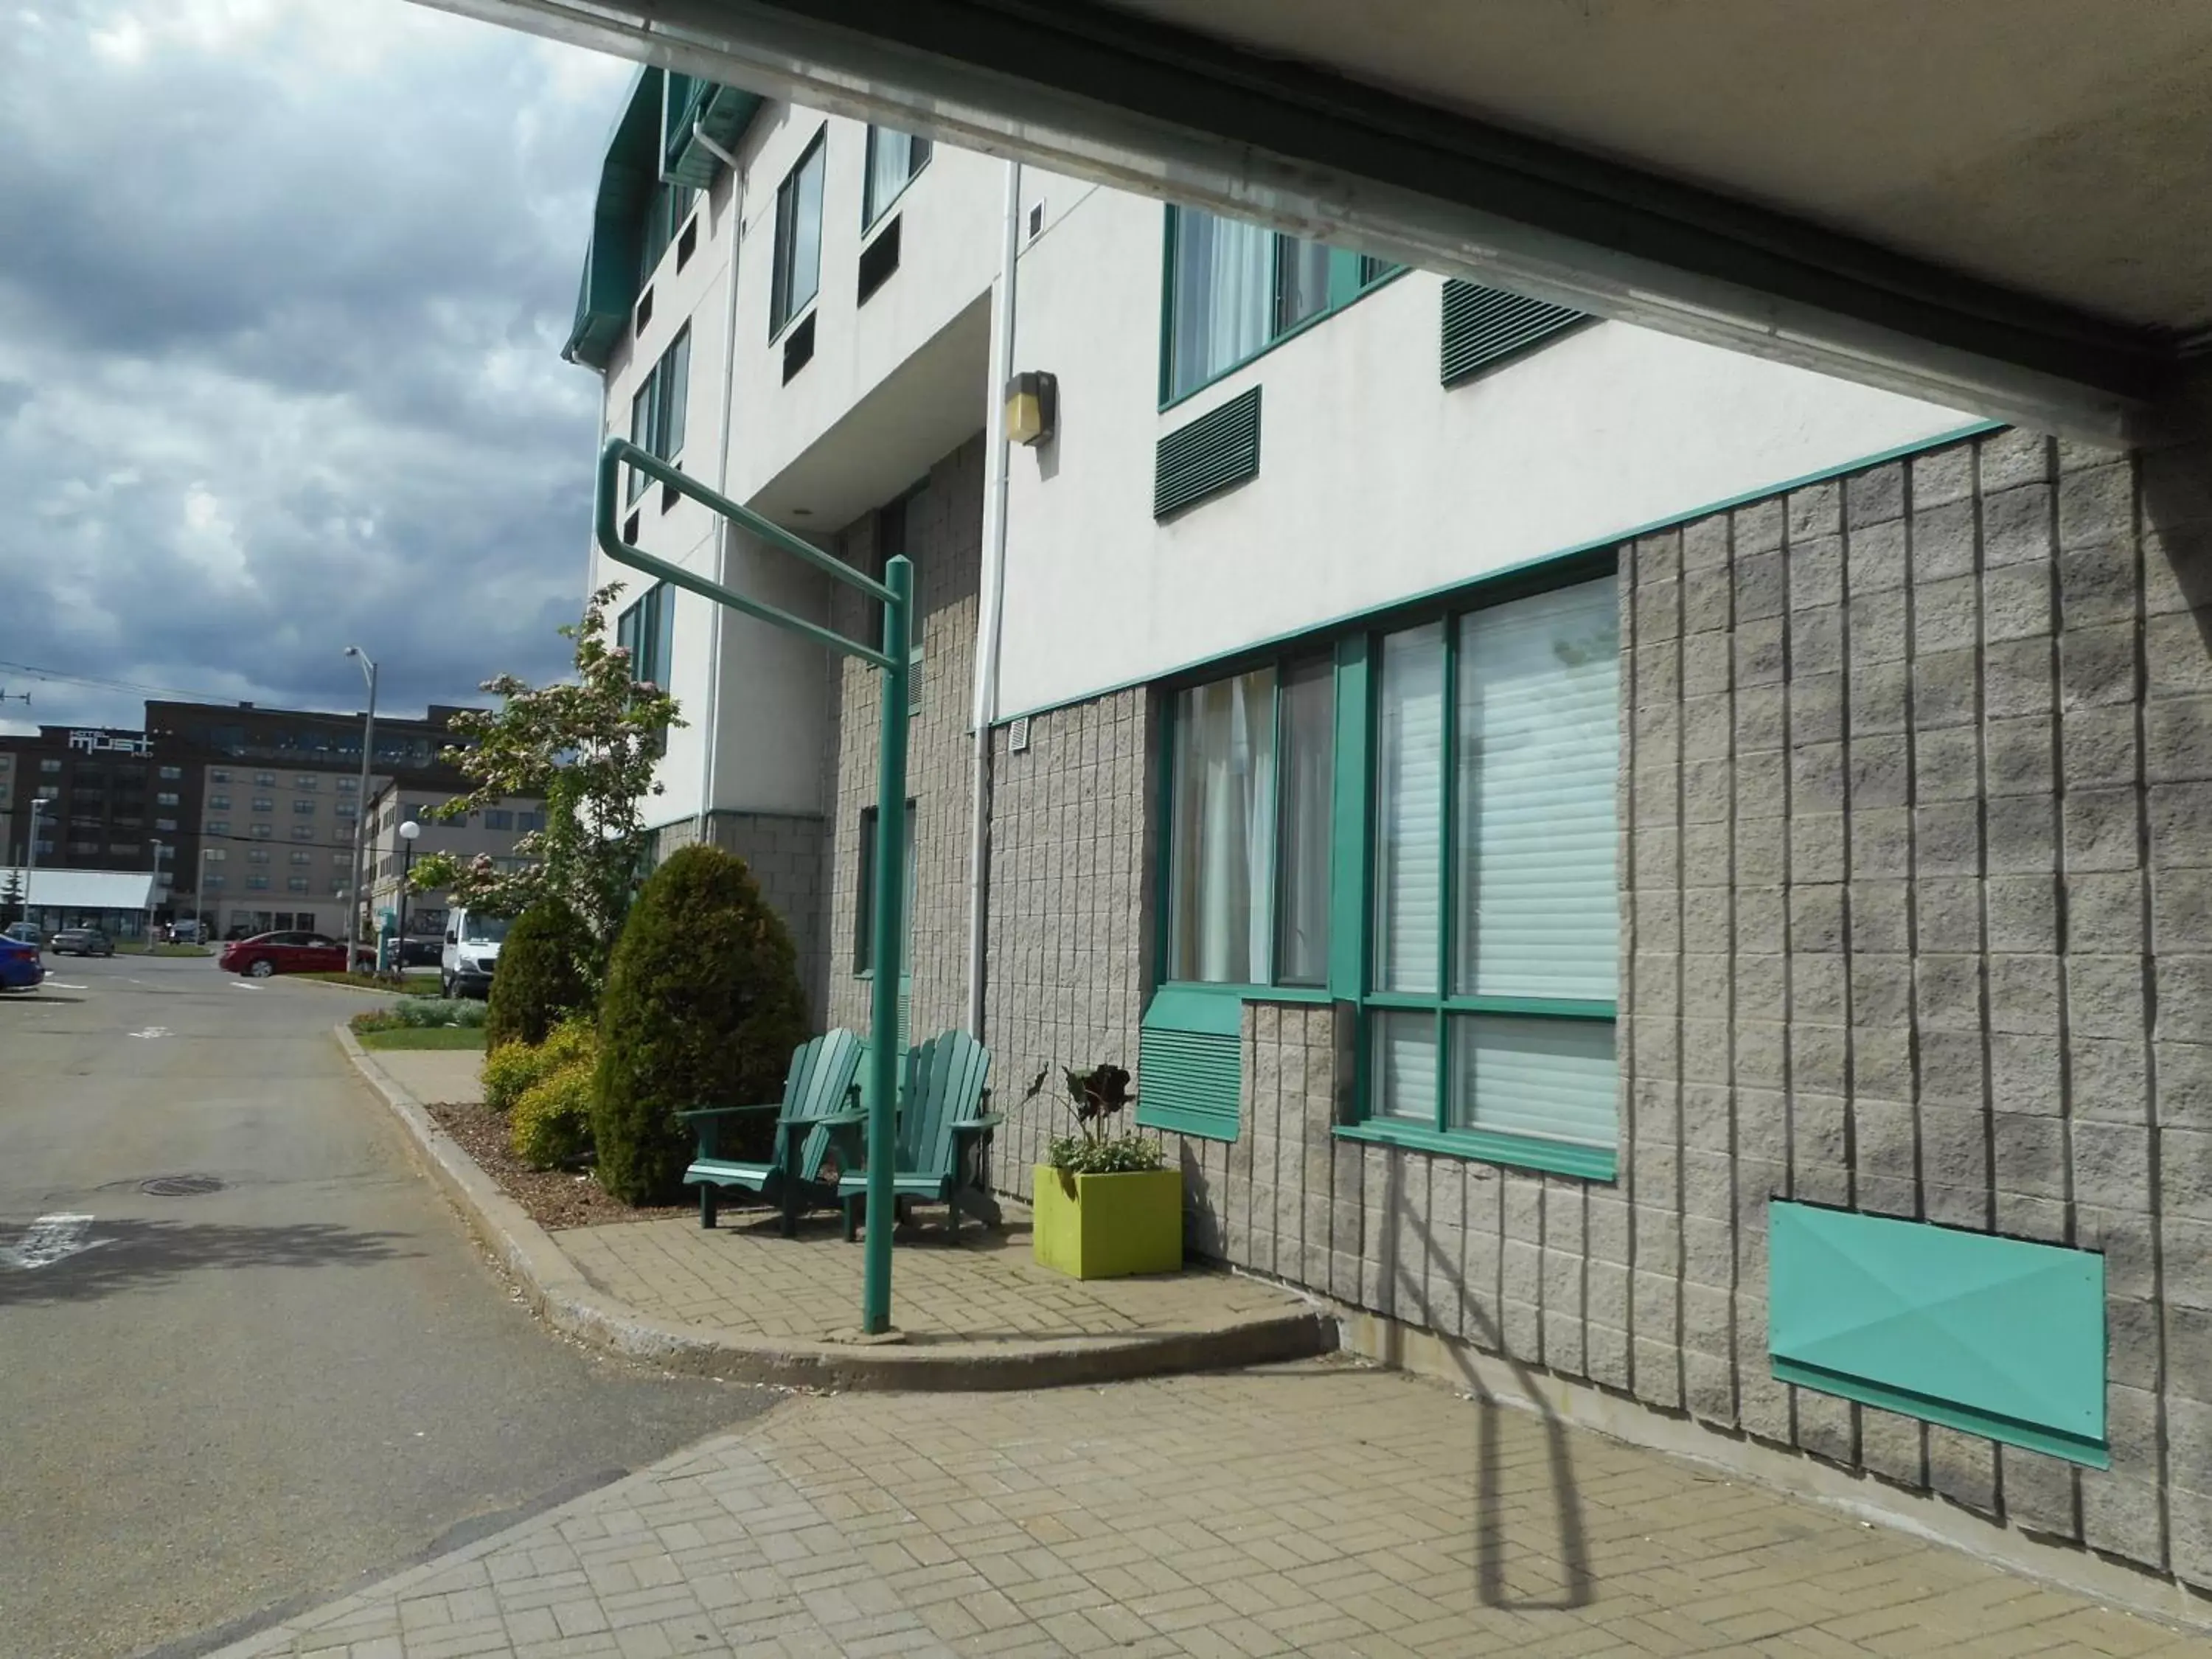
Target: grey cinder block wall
[(1917, 919), (944, 538)]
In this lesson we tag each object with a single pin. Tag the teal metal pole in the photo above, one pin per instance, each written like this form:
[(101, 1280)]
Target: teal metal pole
[(889, 951)]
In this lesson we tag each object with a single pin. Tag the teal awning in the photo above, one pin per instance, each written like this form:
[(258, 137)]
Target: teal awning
[(654, 138)]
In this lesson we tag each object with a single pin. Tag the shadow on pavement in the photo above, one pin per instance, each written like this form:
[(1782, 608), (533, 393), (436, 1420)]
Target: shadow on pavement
[(125, 1255)]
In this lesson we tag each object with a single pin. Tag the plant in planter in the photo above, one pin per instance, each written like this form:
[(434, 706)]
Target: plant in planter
[(1106, 1207)]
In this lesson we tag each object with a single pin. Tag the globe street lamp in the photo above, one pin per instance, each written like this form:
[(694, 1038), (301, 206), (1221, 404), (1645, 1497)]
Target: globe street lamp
[(360, 806), (408, 831)]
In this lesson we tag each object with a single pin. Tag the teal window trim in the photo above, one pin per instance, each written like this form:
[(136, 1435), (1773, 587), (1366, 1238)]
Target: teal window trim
[(1567, 1157), (1538, 1007), (1351, 277)]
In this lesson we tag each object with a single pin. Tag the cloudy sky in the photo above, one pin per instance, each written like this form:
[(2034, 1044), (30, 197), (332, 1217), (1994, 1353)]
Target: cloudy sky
[(282, 290)]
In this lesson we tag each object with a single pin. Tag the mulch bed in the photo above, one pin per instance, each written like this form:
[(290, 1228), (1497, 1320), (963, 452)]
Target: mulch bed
[(552, 1198)]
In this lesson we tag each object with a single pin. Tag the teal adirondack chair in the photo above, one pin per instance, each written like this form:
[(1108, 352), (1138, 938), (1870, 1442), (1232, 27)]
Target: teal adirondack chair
[(943, 1134), (818, 1087)]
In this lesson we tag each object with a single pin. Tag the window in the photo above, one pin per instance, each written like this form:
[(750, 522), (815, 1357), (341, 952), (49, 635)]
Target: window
[(165, 798), (344, 809), (50, 766), (216, 774), (219, 803), (864, 908), (303, 809), (170, 773), (529, 823), (1234, 290), (212, 881), (165, 824), (657, 408), (798, 269), (49, 792), (348, 786), (670, 207), (344, 858), (1493, 907), (256, 855), (496, 818), (1251, 772), (306, 781), (303, 832), (893, 159), (218, 827), (258, 884), (647, 631), (295, 884), (264, 804), (264, 780), (300, 855), (215, 854), (262, 832)]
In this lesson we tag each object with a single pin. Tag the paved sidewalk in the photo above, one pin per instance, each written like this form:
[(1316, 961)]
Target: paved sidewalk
[(1318, 1508), (740, 1301)]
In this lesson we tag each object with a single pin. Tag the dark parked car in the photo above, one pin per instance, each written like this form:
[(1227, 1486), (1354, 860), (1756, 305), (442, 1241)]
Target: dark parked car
[(20, 967), (25, 932), (283, 953), (83, 942)]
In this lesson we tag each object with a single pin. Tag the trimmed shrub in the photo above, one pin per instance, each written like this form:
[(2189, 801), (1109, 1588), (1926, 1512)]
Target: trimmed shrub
[(702, 1008), (511, 1072), (541, 979), (551, 1123)]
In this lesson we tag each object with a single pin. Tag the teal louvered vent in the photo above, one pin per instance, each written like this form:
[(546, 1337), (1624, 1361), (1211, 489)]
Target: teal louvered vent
[(1221, 447), (1485, 326), (1990, 1336), (1190, 1062)]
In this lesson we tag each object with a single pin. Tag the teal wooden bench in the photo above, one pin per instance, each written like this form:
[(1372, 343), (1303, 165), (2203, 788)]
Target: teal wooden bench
[(818, 1092), (943, 1135)]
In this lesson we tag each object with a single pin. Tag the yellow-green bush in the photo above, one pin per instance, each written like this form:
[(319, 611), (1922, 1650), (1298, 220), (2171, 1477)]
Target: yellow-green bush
[(510, 1071), (551, 1124)]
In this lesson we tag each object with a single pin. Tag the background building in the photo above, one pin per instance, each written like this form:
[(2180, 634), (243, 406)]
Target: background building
[(1570, 825), (490, 832)]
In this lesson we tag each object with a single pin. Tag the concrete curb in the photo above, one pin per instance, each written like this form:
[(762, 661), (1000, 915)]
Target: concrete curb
[(568, 1301)]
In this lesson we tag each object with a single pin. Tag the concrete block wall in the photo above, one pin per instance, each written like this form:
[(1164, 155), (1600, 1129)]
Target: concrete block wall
[(1071, 911), (1918, 809), (944, 538)]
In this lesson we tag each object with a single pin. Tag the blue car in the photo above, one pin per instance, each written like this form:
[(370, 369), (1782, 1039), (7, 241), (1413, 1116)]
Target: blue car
[(20, 966)]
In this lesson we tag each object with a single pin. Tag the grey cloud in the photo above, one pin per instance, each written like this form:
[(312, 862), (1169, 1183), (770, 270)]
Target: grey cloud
[(278, 353)]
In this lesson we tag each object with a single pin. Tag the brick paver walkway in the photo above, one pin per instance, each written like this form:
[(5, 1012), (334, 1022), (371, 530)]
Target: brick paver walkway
[(743, 1278), (1314, 1508)]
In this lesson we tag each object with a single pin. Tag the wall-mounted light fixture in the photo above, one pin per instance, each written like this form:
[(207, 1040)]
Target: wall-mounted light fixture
[(1032, 407)]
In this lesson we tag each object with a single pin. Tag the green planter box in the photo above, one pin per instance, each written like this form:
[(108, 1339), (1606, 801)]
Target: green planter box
[(1109, 1226)]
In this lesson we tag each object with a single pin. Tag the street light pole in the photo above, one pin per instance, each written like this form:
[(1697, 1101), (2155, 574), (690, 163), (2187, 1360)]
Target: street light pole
[(38, 803), (408, 831), (154, 891), (361, 806)]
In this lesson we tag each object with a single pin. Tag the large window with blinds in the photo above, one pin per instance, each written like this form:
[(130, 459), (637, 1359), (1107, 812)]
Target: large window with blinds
[(1492, 916)]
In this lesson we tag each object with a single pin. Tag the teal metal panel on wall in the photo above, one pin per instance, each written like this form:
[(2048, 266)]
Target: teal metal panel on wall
[(1221, 447), (1190, 1061), (1990, 1335), (628, 177)]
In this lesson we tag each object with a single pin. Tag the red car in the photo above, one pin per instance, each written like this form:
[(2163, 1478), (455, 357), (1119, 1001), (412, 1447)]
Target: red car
[(283, 953)]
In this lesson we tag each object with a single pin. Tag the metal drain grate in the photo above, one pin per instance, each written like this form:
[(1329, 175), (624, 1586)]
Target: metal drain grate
[(181, 1186)]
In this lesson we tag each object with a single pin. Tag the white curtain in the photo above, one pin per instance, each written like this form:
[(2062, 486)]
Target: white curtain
[(1539, 745), (1309, 746), (1224, 825), (1224, 292)]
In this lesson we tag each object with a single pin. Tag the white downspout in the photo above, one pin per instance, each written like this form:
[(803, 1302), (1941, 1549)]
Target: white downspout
[(723, 537), (990, 607)]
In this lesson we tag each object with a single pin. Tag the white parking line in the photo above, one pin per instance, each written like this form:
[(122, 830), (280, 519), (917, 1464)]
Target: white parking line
[(244, 985), (64, 984), (50, 1239)]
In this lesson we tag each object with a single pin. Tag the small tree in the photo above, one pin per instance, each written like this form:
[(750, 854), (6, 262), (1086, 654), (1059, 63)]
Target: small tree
[(542, 977), (702, 1008), (11, 895), (586, 748)]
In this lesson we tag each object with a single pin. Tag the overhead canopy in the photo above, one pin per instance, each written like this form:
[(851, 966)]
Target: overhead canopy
[(61, 889), (2003, 205)]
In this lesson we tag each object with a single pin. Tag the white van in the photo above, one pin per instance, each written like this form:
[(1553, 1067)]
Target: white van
[(471, 952)]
